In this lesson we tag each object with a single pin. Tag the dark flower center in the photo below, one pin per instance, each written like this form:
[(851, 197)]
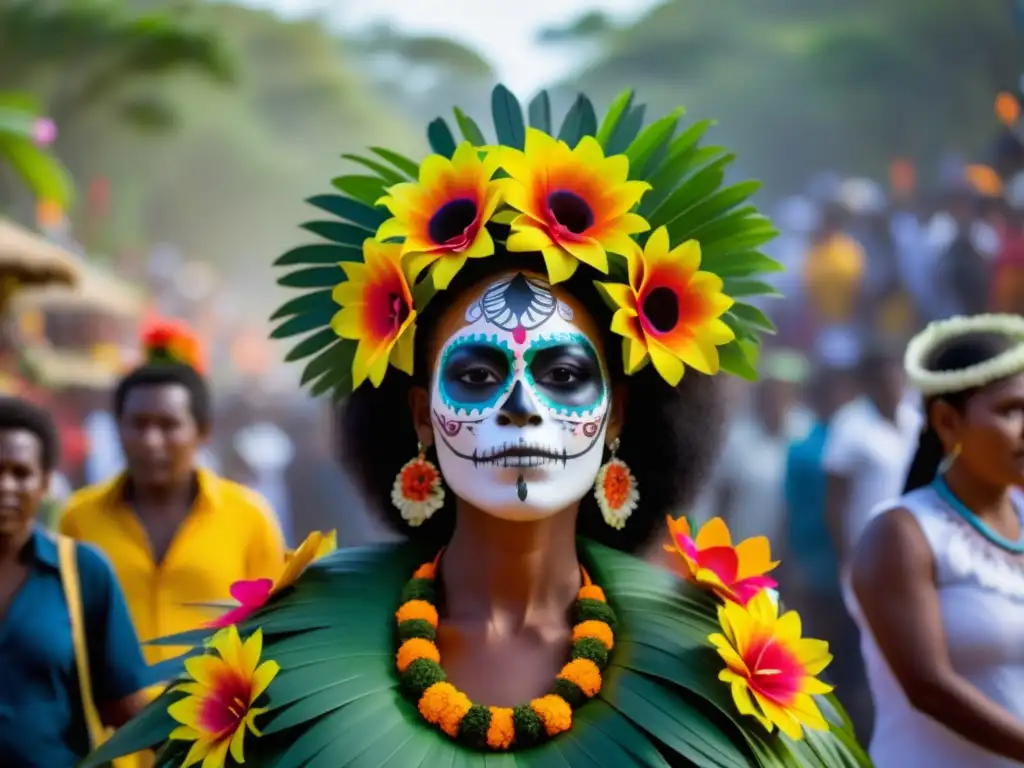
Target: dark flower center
[(571, 211), (399, 310), (451, 221), (661, 308)]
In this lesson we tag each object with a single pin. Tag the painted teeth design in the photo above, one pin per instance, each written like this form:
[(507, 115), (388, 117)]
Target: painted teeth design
[(520, 454)]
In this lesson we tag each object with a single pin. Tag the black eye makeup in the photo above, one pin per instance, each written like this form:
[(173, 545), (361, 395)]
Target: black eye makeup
[(474, 374)]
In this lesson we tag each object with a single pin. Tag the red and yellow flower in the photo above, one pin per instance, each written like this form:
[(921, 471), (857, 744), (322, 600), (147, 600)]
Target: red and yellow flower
[(574, 204), (225, 684), (253, 594), (377, 310), (736, 574), (770, 668), (670, 312), (173, 341), (443, 217)]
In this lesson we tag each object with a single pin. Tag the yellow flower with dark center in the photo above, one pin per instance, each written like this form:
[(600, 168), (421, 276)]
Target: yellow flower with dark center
[(574, 204), (770, 668), (443, 217), (219, 707), (377, 310), (670, 312)]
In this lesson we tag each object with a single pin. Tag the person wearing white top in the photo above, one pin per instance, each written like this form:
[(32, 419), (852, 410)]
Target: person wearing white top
[(870, 444), (938, 576)]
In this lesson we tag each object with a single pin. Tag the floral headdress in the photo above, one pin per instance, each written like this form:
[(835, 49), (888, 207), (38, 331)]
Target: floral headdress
[(933, 383), (645, 207), (174, 342)]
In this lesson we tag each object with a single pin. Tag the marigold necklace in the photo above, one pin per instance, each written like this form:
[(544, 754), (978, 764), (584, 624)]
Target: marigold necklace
[(499, 728)]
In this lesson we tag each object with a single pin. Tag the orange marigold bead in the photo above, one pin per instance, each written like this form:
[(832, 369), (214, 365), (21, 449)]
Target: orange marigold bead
[(456, 709), (554, 712), (584, 674), (502, 729), (416, 648), (591, 592), (417, 609), (595, 629), (434, 701), (425, 571)]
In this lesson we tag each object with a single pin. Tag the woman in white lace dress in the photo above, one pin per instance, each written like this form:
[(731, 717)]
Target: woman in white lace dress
[(939, 575)]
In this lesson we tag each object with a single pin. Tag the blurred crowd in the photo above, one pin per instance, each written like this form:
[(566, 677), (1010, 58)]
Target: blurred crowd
[(828, 431)]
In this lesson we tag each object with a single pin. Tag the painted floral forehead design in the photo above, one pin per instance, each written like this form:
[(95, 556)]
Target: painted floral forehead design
[(645, 209)]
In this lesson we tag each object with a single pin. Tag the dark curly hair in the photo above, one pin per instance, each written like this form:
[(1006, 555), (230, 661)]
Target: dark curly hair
[(164, 374), (670, 436)]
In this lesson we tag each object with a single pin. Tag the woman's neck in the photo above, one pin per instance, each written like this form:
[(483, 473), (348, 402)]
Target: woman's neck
[(512, 574), (988, 502)]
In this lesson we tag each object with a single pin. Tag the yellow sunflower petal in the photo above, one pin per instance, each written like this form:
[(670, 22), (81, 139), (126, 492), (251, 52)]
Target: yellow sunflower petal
[(697, 354), (482, 246), (813, 654), (781, 717), (445, 269), (403, 353), (237, 744), (789, 627), (434, 170), (197, 752), (589, 252), (415, 263), (250, 655), (526, 237), (560, 265), (405, 200), (183, 733), (806, 711), (186, 711), (657, 245), (392, 228), (814, 687), (203, 669), (362, 363), (218, 756), (668, 366), (634, 355), (379, 367), (620, 294)]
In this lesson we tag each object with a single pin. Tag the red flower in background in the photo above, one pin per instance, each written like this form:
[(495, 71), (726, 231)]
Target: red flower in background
[(172, 340)]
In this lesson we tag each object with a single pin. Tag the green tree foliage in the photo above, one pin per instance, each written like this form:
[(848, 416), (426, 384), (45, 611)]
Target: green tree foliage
[(32, 165), (802, 85)]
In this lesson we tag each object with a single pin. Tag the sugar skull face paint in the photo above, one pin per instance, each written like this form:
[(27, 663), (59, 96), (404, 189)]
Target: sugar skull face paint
[(519, 402)]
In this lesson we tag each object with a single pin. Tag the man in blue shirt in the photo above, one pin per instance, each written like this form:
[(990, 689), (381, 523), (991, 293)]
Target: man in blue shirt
[(42, 722)]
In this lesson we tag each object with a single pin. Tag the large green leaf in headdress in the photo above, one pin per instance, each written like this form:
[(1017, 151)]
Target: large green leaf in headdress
[(688, 195)]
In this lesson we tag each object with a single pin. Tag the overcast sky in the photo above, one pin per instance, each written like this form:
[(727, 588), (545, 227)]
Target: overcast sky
[(504, 32)]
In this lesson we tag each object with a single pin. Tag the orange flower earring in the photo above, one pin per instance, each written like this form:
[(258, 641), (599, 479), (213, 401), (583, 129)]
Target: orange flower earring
[(616, 490), (417, 492)]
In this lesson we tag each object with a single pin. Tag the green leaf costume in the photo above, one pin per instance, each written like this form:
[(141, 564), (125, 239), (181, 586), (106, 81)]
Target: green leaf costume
[(338, 699)]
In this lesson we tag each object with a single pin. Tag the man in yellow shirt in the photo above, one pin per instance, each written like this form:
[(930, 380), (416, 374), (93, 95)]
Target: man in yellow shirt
[(177, 535), (833, 272)]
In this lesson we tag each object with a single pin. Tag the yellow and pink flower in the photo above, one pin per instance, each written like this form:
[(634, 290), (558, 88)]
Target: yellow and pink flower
[(574, 204), (377, 310), (442, 218), (224, 685), (670, 312), (734, 573), (253, 594), (771, 670)]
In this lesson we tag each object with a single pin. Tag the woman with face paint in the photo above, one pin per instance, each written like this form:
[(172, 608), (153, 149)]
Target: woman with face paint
[(523, 337)]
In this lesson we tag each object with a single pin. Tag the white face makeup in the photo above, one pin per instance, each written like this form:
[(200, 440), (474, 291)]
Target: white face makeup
[(519, 402)]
